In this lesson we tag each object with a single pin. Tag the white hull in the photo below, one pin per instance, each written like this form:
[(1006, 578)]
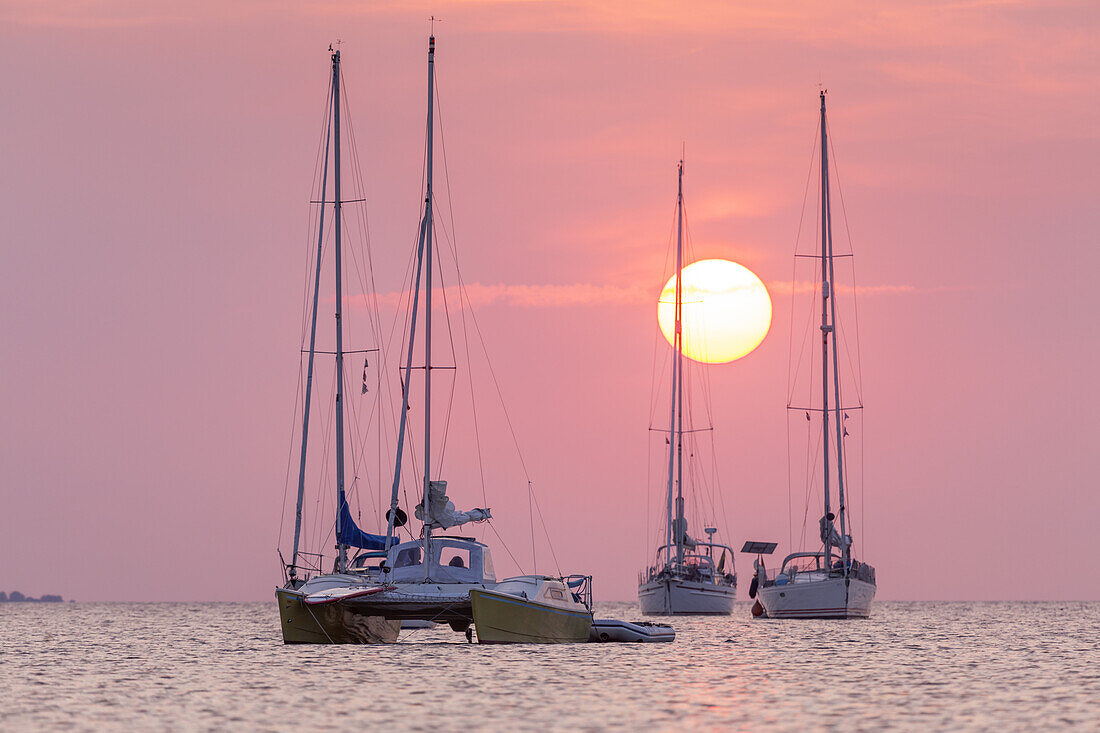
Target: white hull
[(826, 598), (671, 597)]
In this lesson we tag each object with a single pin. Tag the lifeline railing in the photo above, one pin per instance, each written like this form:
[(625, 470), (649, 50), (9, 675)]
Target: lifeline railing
[(581, 588)]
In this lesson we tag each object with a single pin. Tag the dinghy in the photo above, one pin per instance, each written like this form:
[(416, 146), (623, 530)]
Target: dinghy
[(607, 629)]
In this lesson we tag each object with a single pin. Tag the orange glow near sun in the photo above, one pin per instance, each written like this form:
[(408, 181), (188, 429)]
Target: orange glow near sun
[(726, 311)]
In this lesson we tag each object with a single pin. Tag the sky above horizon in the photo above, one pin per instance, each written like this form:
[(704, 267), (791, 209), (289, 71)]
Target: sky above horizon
[(157, 173)]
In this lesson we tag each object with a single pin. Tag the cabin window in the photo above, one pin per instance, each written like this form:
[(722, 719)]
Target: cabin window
[(454, 557), (557, 595), (407, 557), (361, 561)]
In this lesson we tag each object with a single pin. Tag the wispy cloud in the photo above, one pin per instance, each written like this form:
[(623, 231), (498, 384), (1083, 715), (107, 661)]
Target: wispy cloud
[(786, 287), (572, 295), (526, 296)]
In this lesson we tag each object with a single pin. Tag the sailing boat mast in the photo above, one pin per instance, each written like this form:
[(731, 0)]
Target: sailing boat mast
[(423, 266), (828, 328), (838, 424), (676, 412), (428, 308), (309, 371), (341, 549)]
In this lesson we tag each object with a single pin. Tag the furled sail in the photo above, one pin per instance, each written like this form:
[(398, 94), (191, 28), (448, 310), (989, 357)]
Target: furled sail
[(441, 510), (349, 534), (679, 531)]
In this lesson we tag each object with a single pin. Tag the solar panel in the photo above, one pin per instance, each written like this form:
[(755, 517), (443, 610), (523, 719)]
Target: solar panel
[(760, 548)]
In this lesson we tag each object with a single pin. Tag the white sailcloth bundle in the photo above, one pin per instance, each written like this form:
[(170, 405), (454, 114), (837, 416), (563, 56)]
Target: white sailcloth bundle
[(441, 510), (680, 530)]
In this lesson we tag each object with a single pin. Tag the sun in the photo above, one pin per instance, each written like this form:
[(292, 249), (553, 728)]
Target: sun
[(726, 311)]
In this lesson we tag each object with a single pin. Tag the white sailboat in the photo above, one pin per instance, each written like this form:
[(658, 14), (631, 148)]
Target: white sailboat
[(431, 577), (684, 578), (829, 583)]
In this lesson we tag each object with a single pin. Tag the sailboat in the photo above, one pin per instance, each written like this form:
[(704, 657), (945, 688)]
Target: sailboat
[(684, 579), (828, 583), (434, 576), (308, 609)]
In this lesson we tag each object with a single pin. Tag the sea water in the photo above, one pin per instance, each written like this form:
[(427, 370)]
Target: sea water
[(916, 666)]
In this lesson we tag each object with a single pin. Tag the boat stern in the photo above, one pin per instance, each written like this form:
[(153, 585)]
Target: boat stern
[(334, 623)]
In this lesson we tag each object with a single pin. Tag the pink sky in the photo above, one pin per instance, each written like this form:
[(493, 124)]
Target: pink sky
[(156, 169)]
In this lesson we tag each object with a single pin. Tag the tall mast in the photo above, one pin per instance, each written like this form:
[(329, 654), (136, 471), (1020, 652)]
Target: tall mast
[(341, 549), (309, 370), (838, 425), (826, 328), (428, 307), (406, 385), (679, 397), (670, 534)]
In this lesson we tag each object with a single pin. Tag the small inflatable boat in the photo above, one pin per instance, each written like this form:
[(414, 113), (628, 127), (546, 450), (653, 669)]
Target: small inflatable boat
[(606, 629)]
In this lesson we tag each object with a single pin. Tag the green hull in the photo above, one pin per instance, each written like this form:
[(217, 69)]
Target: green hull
[(330, 623), (503, 619)]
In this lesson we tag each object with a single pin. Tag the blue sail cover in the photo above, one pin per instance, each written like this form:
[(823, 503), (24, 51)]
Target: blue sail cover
[(349, 534)]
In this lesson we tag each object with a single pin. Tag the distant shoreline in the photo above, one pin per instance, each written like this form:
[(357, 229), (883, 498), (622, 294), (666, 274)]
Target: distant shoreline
[(17, 597)]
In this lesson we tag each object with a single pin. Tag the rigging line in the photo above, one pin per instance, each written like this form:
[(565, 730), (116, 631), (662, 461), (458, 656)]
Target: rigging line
[(370, 296), (463, 295), (862, 487), (290, 454), (792, 378), (851, 248), (306, 290), (405, 314), (806, 336), (454, 360), (496, 384), (506, 548), (708, 405), (484, 347), (794, 264), (656, 380), (349, 408), (658, 337), (794, 272), (362, 431), (357, 459), (374, 316), (311, 218), (446, 168), (321, 495), (810, 478), (470, 377), (546, 532), (841, 320), (810, 468), (648, 492), (790, 510)]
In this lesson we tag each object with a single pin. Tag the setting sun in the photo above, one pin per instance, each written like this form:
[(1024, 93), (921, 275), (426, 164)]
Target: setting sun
[(726, 313)]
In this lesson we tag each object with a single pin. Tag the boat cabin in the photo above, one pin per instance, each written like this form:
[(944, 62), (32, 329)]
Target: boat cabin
[(366, 562), (803, 567), (696, 566), (453, 560)]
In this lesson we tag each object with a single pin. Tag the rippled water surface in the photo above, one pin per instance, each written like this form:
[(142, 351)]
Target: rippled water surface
[(1008, 666)]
